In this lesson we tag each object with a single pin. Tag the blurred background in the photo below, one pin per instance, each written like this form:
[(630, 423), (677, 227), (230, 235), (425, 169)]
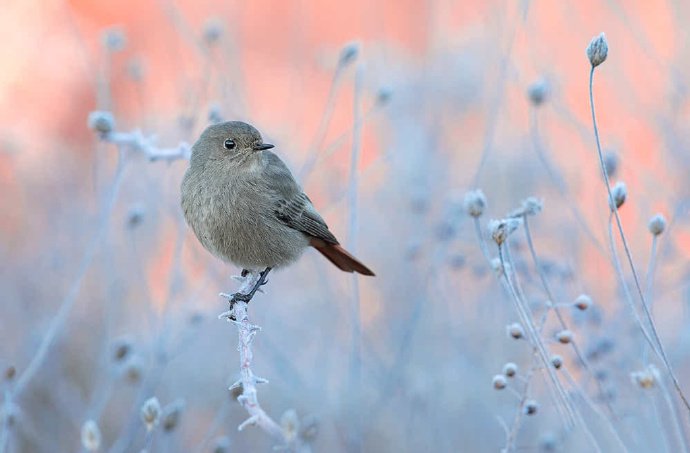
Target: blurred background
[(388, 112)]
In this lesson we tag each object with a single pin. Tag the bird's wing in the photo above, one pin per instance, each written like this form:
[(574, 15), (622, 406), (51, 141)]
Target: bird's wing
[(293, 207), (298, 213)]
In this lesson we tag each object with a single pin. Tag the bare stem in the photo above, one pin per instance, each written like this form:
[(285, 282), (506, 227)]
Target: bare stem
[(628, 254), (525, 315), (248, 380), (559, 316), (59, 319)]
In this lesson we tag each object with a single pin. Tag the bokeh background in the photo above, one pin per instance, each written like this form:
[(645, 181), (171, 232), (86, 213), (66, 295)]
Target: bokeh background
[(107, 299)]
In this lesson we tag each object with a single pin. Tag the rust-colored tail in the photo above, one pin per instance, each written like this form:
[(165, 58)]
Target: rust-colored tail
[(340, 257)]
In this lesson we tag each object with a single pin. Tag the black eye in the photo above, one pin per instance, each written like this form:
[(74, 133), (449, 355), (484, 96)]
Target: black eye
[(229, 144)]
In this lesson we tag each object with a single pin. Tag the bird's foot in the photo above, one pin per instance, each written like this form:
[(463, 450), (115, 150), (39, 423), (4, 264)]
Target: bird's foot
[(246, 298)]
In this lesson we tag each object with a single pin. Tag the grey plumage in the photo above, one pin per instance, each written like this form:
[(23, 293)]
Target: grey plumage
[(246, 208)]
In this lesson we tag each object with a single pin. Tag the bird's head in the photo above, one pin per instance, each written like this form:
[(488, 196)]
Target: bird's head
[(232, 143)]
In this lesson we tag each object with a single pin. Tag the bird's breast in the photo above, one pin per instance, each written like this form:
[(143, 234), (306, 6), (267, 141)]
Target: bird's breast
[(234, 220)]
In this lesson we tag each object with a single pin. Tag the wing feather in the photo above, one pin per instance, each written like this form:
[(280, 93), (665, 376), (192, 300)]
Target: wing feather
[(293, 207)]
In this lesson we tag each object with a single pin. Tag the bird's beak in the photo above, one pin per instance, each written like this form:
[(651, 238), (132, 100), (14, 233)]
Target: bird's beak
[(263, 146)]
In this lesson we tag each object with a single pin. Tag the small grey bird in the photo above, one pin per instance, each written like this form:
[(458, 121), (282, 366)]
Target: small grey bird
[(246, 208)]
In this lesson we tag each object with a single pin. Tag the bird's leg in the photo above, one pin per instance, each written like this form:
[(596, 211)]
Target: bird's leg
[(259, 283)]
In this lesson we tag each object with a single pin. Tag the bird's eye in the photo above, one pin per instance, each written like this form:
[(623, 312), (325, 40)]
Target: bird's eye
[(229, 144)]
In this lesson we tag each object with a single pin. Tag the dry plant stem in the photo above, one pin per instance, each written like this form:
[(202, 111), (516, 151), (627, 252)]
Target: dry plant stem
[(626, 291), (526, 318), (648, 290), (337, 143), (505, 284), (248, 381), (605, 420), (136, 141), (650, 271), (521, 294), (628, 254), (495, 105), (5, 428), (675, 417), (68, 302), (314, 149), (356, 365), (559, 182), (511, 436), (552, 299), (672, 407)]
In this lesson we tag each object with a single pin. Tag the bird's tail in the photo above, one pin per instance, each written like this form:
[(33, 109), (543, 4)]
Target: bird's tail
[(340, 257)]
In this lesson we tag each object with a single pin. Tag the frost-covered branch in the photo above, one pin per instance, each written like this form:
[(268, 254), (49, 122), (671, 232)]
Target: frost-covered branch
[(288, 435), (103, 123)]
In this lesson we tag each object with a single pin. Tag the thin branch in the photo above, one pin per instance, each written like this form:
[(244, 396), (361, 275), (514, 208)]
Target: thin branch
[(248, 381), (628, 254)]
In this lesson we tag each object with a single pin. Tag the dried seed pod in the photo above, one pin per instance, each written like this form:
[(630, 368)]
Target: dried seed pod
[(90, 436), (510, 369), (499, 382), (531, 407), (597, 50), (150, 413), (474, 203), (565, 336), (657, 224), (515, 330), (583, 302)]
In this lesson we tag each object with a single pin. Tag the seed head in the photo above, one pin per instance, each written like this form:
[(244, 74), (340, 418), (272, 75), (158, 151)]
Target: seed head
[(349, 53), (611, 163), (501, 229), (121, 349), (530, 206), (619, 192), (171, 415), (9, 414), (657, 224), (583, 302), (646, 378), (383, 95), (310, 428), (538, 91), (597, 50), (557, 361), (134, 369), (101, 121), (10, 373), (151, 412), (510, 369), (499, 382), (214, 114), (515, 330), (135, 215), (475, 202), (114, 39), (90, 436), (290, 424), (531, 407), (564, 336), (136, 69), (213, 30)]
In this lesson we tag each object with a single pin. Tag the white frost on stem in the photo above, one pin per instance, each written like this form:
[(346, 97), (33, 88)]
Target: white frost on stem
[(136, 141), (103, 123), (248, 381)]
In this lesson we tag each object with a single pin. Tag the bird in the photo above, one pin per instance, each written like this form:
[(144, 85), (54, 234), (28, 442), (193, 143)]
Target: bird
[(246, 208)]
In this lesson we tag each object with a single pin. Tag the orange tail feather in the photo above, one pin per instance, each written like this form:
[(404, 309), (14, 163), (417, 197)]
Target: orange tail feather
[(340, 257)]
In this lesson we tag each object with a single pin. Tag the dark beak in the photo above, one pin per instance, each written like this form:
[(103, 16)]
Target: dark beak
[(263, 146)]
